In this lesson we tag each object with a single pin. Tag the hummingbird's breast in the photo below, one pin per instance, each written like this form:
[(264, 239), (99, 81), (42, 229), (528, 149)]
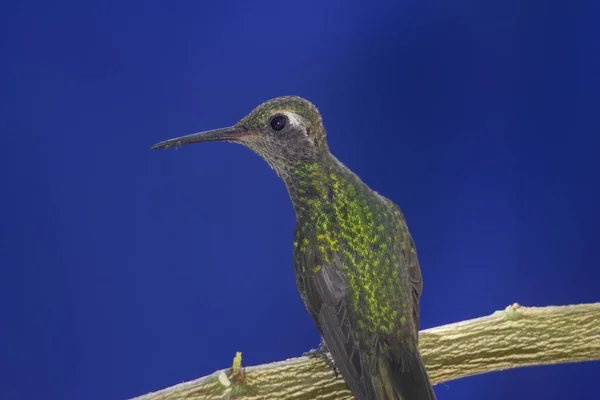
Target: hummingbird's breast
[(357, 232)]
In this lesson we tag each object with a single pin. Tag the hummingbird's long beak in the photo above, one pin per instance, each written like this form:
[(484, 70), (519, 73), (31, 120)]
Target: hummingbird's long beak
[(223, 134)]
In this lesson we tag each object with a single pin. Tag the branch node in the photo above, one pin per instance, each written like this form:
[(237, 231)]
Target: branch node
[(237, 372), (224, 380), (512, 312)]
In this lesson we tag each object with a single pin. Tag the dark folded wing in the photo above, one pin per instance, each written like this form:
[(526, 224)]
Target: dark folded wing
[(324, 291)]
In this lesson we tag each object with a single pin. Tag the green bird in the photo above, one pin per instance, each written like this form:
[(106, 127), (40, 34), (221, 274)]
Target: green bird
[(355, 261)]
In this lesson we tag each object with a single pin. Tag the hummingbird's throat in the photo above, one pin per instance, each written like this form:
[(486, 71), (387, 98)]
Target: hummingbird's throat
[(308, 185), (317, 187)]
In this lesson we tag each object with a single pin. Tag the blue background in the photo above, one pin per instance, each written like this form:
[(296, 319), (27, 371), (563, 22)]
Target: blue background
[(125, 271)]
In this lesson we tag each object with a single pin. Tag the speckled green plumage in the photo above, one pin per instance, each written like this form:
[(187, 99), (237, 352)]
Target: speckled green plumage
[(354, 243), (343, 219)]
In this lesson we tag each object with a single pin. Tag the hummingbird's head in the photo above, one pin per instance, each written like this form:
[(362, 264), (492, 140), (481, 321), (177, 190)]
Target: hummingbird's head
[(283, 131)]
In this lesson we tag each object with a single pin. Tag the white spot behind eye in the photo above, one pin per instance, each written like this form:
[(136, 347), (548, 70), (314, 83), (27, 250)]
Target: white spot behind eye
[(295, 120)]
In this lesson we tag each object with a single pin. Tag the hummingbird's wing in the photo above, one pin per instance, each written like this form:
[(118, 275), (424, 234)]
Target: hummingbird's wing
[(323, 290)]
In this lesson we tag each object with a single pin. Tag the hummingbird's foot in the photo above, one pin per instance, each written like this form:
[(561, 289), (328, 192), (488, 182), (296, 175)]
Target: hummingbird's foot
[(322, 352)]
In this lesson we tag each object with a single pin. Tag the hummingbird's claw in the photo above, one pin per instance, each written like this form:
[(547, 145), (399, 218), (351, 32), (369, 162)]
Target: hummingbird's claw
[(322, 352)]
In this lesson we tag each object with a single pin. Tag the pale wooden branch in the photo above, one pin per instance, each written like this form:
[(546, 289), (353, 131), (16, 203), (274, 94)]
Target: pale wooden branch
[(515, 337)]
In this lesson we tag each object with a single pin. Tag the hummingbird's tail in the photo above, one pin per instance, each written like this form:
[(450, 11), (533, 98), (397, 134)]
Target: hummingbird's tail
[(404, 379)]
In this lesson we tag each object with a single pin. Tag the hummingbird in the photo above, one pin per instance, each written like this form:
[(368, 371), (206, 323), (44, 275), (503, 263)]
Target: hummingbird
[(355, 261)]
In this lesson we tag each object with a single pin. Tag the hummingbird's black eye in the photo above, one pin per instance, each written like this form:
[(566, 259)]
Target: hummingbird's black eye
[(278, 122)]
